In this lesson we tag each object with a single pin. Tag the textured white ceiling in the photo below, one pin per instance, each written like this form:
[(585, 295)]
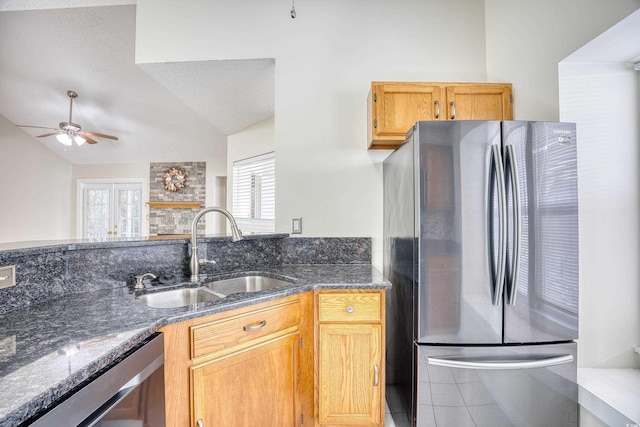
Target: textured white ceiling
[(230, 94), (168, 112)]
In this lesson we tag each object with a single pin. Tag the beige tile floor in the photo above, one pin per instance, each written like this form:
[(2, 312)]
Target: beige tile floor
[(388, 421)]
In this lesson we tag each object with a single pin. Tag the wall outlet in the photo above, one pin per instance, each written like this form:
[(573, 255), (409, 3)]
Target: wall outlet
[(7, 276), (296, 225)]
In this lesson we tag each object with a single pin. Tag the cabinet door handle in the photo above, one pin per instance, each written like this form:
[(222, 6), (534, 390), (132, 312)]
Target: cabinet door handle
[(453, 110), (254, 327), (376, 375), (200, 423), (437, 115)]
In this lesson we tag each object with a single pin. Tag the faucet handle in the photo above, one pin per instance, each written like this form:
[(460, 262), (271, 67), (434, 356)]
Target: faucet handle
[(140, 280)]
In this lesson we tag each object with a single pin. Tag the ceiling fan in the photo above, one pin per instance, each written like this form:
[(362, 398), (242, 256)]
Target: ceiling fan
[(69, 132)]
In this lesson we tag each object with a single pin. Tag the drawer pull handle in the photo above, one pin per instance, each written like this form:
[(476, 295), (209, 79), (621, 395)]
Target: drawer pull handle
[(254, 327), (350, 309), (376, 375)]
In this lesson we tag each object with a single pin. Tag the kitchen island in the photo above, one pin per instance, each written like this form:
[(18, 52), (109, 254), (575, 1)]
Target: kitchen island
[(51, 348)]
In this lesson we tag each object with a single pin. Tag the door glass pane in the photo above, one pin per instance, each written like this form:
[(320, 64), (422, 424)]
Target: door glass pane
[(129, 207), (111, 209), (96, 212)]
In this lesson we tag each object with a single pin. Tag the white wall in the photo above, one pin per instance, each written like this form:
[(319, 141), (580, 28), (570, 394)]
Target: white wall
[(325, 61), (35, 194), (527, 39), (599, 91)]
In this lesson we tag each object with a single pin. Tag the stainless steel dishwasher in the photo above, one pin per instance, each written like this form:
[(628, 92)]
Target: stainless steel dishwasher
[(129, 393)]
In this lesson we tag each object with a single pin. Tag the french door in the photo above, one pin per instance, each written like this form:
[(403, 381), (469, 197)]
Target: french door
[(110, 209)]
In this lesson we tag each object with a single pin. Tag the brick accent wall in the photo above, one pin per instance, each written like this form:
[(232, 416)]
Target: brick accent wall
[(176, 221)]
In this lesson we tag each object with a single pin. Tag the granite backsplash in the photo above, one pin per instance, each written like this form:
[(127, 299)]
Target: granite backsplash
[(53, 270)]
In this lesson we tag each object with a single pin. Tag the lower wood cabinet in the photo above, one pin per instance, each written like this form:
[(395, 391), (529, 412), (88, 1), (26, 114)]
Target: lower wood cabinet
[(350, 358), (280, 363), (249, 367), (258, 386)]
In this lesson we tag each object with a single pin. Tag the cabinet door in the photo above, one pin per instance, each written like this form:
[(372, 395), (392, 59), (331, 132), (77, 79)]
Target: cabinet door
[(479, 102), (397, 106), (349, 374), (256, 387)]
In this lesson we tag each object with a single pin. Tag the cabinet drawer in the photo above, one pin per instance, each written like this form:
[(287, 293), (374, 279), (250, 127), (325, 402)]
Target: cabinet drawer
[(349, 307), (222, 334)]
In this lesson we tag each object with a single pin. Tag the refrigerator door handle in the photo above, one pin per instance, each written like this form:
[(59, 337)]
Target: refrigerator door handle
[(512, 282), (497, 272), (501, 363)]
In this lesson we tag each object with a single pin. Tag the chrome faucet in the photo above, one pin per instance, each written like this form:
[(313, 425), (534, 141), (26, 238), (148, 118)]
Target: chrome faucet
[(194, 263)]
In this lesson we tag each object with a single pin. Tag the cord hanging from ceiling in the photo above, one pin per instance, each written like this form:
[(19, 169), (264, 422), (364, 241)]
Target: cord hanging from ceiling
[(293, 9)]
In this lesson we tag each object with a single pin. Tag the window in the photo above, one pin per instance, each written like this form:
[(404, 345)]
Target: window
[(109, 209), (254, 193)]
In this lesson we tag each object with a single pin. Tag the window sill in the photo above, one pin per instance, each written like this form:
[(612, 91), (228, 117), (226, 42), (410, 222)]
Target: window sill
[(611, 394)]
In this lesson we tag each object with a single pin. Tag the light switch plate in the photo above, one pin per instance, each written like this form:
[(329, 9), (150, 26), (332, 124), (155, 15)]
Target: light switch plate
[(7, 276), (296, 225)]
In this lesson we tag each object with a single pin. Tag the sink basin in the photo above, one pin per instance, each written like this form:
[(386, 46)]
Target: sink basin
[(178, 297), (245, 284), (211, 291)]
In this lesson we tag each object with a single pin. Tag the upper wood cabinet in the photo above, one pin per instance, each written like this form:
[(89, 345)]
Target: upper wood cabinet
[(393, 107)]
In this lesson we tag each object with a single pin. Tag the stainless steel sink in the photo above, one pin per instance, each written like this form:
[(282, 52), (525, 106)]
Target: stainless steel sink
[(245, 284), (178, 297), (211, 291)]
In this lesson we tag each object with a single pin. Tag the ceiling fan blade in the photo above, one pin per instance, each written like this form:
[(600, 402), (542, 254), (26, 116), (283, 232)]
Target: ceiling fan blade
[(100, 135), (47, 134), (36, 127), (89, 140)]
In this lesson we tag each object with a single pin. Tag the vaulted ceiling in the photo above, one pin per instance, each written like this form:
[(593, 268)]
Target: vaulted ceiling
[(160, 112)]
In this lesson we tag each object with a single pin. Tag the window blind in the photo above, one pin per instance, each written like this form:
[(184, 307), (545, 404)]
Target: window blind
[(254, 193)]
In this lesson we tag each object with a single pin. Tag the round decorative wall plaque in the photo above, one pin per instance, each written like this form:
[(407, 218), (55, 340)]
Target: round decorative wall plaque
[(175, 179)]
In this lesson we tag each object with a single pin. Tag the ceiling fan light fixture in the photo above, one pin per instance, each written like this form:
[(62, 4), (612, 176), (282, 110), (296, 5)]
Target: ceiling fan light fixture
[(79, 140), (70, 127), (64, 139)]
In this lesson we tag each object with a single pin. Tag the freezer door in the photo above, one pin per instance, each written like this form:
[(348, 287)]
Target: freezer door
[(458, 184), (501, 386), (541, 289)]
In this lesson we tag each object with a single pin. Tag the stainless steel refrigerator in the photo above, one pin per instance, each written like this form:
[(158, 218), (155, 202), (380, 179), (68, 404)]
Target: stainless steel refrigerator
[(481, 247)]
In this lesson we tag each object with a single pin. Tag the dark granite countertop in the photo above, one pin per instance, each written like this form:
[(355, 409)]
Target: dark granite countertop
[(49, 349)]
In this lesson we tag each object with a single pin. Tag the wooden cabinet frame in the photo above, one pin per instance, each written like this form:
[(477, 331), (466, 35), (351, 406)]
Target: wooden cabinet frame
[(196, 349), (393, 107), (350, 348), (203, 353)]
